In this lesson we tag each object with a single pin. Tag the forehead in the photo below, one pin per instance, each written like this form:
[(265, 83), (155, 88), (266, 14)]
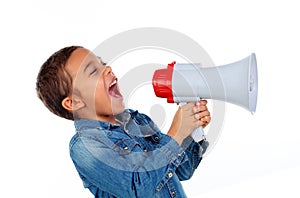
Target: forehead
[(78, 59)]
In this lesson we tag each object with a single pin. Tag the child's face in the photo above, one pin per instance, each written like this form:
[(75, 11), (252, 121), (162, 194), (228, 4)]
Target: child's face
[(95, 85)]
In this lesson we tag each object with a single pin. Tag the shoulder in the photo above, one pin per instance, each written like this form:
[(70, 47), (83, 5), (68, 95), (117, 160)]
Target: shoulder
[(140, 118), (84, 139), (144, 120)]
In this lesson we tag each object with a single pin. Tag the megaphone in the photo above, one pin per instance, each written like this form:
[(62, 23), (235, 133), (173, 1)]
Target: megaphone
[(236, 83)]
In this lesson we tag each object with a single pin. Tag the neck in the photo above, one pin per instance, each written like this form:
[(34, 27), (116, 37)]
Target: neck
[(107, 118), (103, 118)]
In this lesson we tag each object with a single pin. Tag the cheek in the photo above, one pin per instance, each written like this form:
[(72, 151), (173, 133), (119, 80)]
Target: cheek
[(99, 89), (86, 90), (100, 94)]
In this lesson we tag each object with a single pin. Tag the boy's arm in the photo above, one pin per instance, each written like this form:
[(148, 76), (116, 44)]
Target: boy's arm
[(194, 152), (183, 123)]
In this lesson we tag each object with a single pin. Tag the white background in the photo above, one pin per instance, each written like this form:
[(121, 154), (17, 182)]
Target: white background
[(256, 155)]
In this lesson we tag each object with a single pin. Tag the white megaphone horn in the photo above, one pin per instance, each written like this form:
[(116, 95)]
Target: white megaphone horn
[(236, 83)]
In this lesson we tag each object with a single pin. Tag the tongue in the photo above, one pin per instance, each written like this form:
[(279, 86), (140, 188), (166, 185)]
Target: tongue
[(114, 91)]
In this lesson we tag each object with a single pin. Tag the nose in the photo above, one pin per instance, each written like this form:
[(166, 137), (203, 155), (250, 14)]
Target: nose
[(108, 71)]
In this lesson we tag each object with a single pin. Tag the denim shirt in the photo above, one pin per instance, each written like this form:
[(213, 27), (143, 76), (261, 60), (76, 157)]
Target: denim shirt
[(132, 159)]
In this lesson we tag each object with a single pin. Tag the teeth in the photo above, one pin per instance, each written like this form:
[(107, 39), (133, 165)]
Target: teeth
[(113, 83)]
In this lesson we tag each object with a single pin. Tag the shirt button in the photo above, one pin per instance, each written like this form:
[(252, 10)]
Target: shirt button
[(179, 155), (170, 174), (145, 150), (125, 148), (173, 193)]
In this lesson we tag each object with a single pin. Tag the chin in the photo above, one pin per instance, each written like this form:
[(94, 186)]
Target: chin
[(117, 109)]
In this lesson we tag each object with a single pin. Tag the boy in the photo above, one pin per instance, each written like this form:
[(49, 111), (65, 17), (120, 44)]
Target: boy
[(118, 152)]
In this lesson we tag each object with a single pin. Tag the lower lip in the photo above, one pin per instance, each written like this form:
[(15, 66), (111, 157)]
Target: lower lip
[(116, 99), (119, 97)]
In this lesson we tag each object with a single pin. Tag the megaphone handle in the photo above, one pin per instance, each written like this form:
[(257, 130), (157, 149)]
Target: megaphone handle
[(198, 133)]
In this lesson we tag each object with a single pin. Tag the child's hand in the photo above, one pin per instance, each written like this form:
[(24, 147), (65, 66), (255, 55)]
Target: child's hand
[(187, 118), (202, 113)]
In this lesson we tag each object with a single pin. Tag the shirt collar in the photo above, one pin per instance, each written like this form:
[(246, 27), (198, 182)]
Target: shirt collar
[(83, 124)]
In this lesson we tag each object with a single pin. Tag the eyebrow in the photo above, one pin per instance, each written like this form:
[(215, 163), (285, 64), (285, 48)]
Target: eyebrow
[(103, 63)]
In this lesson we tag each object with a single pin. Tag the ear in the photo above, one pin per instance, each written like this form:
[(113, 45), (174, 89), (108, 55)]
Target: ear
[(72, 104)]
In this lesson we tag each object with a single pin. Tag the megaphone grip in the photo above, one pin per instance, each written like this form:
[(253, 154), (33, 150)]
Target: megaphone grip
[(198, 134)]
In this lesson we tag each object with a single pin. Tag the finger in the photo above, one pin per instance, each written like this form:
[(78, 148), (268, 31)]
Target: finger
[(197, 116), (200, 106), (203, 108), (188, 106), (203, 114), (204, 125), (199, 123), (205, 122), (206, 119), (198, 109), (200, 116), (203, 102)]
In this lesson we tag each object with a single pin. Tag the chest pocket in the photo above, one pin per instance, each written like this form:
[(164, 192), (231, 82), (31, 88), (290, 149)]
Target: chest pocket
[(125, 146), (137, 129)]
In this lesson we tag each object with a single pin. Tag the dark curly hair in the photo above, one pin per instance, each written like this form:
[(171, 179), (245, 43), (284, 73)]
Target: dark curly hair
[(54, 83)]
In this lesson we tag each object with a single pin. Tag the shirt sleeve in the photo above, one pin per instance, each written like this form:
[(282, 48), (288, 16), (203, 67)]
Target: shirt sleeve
[(124, 171), (194, 152)]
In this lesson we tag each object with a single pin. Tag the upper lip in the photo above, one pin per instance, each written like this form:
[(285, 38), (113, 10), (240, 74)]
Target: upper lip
[(113, 82)]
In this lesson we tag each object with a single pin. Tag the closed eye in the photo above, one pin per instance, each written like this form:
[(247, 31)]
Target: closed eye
[(94, 71)]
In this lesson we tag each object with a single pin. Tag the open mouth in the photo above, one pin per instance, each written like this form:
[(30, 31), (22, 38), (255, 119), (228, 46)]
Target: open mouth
[(114, 90)]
